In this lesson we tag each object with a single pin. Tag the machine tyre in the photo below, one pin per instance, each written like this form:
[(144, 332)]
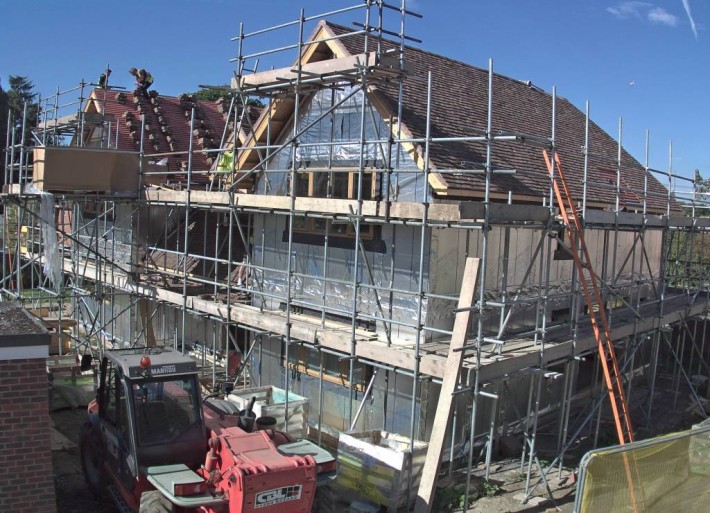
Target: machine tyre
[(316, 504), (223, 406), (154, 502), (91, 461)]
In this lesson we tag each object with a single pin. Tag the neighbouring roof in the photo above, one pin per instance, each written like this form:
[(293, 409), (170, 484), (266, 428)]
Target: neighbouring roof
[(16, 321), (459, 108), (167, 124)]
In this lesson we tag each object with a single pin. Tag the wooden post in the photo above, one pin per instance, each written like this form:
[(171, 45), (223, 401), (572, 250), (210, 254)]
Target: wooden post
[(145, 310), (427, 485)]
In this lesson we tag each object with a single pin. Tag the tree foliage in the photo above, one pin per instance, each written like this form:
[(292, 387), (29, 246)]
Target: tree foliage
[(224, 92), (3, 119), (689, 250), (701, 187), (12, 103), (212, 93)]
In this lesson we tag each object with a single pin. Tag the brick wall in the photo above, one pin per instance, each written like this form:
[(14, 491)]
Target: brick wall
[(26, 474)]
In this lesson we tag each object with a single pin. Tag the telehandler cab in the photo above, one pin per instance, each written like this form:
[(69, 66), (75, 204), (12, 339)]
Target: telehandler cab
[(155, 446)]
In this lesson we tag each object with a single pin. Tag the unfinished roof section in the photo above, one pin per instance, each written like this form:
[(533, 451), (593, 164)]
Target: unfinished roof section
[(459, 108), (167, 127), (324, 62)]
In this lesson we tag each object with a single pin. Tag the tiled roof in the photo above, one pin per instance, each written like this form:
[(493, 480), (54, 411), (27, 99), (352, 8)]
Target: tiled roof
[(167, 125), (460, 108)]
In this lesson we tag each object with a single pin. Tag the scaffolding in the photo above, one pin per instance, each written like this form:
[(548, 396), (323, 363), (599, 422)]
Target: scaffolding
[(136, 273)]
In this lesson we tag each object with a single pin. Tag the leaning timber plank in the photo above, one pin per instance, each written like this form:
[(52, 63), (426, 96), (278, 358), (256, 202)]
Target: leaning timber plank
[(427, 485)]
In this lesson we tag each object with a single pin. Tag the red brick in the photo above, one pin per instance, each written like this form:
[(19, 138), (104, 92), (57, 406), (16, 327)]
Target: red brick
[(25, 452)]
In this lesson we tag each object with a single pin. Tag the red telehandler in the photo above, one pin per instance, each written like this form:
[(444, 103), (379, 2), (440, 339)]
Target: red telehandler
[(155, 446)]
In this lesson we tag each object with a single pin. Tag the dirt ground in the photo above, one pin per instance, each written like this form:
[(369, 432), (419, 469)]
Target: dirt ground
[(509, 497), (72, 494), (504, 492)]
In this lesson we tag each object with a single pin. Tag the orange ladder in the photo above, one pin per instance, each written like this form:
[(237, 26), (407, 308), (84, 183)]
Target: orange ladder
[(597, 317), (593, 300)]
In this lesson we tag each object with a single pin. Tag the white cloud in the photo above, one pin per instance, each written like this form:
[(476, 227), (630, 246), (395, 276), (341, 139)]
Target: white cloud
[(632, 9), (662, 17), (651, 13), (686, 6)]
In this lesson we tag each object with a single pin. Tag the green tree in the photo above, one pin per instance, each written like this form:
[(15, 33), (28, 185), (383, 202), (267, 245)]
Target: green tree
[(3, 126), (701, 186), (12, 102), (224, 92), (212, 93), (689, 249), (21, 91)]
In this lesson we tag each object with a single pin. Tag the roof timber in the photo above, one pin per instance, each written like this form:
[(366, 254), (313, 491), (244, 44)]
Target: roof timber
[(348, 68), (328, 59), (273, 120)]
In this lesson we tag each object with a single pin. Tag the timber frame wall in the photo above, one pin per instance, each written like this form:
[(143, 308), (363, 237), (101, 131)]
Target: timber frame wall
[(663, 332)]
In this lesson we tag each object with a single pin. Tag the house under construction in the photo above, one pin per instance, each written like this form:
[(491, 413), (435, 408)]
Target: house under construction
[(352, 222)]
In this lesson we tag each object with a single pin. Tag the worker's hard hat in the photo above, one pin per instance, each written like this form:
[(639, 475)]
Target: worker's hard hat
[(133, 71)]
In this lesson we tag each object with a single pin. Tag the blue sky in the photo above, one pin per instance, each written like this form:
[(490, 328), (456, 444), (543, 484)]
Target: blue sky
[(647, 62)]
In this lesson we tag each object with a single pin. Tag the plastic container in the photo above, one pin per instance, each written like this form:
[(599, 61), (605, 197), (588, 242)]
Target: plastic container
[(271, 402)]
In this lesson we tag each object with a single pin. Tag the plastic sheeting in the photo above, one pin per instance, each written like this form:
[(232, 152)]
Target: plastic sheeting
[(334, 141), (52, 260), (668, 473), (446, 249), (400, 270), (114, 221), (388, 406)]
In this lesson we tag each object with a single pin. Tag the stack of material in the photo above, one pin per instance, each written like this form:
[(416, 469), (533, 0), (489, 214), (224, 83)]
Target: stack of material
[(375, 464)]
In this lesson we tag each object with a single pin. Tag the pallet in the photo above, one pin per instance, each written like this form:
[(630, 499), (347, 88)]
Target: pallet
[(61, 366)]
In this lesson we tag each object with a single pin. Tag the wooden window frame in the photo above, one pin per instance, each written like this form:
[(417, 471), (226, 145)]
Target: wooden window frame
[(310, 225), (352, 182)]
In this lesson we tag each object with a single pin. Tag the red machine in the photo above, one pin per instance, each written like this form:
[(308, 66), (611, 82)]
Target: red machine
[(154, 445)]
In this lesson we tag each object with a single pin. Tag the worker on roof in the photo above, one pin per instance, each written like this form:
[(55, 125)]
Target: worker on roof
[(103, 78), (143, 79)]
